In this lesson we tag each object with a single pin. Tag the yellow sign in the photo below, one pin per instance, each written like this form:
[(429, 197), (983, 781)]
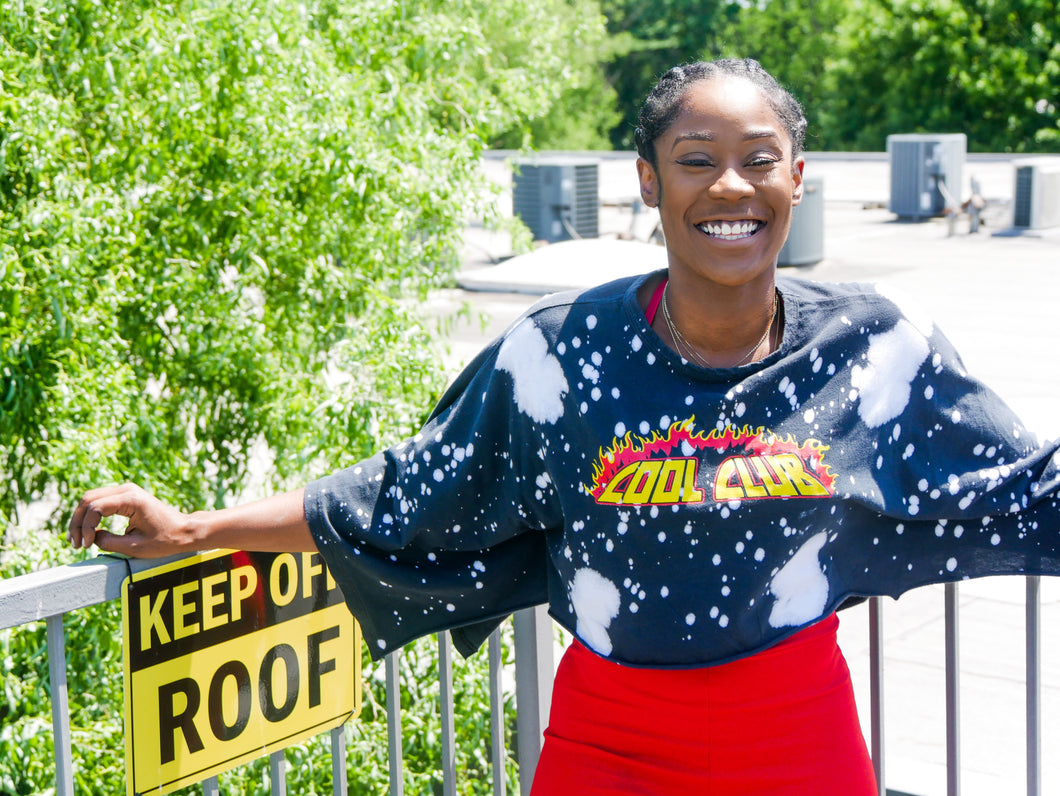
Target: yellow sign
[(230, 656)]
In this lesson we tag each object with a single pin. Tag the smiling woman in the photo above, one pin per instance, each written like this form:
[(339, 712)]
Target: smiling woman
[(695, 468)]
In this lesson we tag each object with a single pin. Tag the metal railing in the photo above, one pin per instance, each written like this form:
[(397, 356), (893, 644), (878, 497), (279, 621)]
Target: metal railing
[(951, 633), (51, 594)]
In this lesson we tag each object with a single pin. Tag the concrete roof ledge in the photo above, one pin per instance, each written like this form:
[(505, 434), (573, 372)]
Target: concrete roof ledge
[(566, 265)]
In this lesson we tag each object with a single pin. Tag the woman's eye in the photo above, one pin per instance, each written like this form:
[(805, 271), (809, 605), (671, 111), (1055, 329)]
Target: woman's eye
[(762, 160), (697, 162)]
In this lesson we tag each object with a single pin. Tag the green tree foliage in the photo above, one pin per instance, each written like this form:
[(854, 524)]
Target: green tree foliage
[(799, 42), (868, 68), (647, 38), (218, 219), (582, 115), (987, 69)]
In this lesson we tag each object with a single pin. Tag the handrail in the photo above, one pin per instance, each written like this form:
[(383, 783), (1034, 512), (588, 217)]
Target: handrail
[(70, 587), (951, 637), (50, 594)]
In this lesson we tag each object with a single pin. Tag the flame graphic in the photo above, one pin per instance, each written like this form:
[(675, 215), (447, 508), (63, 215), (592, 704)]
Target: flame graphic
[(753, 441)]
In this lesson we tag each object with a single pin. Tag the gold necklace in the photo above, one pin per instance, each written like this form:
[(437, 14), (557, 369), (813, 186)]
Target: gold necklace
[(693, 354)]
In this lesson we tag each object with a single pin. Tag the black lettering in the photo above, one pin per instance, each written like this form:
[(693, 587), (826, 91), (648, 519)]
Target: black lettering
[(221, 730), (316, 666), (170, 722), (271, 711)]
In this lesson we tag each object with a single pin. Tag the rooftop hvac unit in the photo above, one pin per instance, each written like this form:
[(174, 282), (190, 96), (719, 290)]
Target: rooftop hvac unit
[(1037, 194), (925, 173), (557, 198), (805, 243)]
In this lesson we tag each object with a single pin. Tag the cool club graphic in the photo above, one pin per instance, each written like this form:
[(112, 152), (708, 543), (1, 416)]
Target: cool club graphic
[(680, 465)]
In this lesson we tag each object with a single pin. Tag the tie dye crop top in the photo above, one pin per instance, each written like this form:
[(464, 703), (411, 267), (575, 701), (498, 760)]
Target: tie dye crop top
[(676, 516)]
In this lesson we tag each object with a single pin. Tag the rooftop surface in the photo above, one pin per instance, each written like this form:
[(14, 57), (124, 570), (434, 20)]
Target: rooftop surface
[(997, 296)]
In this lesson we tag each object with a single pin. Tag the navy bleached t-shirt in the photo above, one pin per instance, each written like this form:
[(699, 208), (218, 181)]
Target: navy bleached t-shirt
[(677, 516)]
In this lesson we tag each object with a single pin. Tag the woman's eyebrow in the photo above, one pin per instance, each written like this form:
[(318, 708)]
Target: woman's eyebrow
[(765, 132), (697, 136), (708, 135)]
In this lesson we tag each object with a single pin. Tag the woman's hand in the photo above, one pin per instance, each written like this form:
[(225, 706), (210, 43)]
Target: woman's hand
[(275, 524), (155, 529)]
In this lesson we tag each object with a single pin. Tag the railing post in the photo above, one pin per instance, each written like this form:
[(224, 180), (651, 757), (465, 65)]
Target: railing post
[(1034, 687), (338, 761), (876, 691), (445, 683), (393, 722), (497, 746), (953, 695), (534, 672), (64, 770), (277, 774)]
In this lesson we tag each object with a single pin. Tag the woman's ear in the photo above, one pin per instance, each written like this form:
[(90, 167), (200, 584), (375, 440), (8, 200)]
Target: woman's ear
[(649, 183), (796, 180)]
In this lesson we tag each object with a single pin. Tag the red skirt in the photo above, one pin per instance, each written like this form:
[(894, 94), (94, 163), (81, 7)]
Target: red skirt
[(779, 723)]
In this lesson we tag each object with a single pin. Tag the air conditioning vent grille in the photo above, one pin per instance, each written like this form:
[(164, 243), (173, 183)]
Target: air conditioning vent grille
[(557, 198), (919, 163), (1036, 198), (1021, 213), (526, 200), (586, 213)]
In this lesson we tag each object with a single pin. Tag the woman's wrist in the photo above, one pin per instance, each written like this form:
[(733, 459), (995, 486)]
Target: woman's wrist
[(198, 531)]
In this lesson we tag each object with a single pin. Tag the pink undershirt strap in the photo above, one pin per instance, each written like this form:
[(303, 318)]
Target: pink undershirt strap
[(656, 300)]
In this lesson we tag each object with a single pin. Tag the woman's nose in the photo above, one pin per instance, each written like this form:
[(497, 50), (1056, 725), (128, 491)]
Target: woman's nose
[(731, 184)]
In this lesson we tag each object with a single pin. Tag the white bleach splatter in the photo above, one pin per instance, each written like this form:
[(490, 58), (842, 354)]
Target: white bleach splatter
[(539, 384), (884, 383), (596, 602), (800, 587)]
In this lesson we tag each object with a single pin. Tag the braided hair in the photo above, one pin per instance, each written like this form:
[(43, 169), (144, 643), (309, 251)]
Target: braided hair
[(666, 101)]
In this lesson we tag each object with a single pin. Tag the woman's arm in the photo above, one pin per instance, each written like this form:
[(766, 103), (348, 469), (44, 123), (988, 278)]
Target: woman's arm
[(275, 524)]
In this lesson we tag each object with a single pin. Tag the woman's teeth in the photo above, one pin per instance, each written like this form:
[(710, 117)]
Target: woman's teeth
[(733, 230)]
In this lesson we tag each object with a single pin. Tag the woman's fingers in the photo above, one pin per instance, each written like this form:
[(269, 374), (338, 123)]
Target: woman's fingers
[(90, 510), (146, 514)]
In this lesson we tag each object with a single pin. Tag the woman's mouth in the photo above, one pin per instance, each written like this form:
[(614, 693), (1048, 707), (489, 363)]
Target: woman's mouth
[(729, 230)]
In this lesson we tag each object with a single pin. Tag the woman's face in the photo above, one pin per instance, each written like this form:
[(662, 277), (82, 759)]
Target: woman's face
[(725, 184)]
